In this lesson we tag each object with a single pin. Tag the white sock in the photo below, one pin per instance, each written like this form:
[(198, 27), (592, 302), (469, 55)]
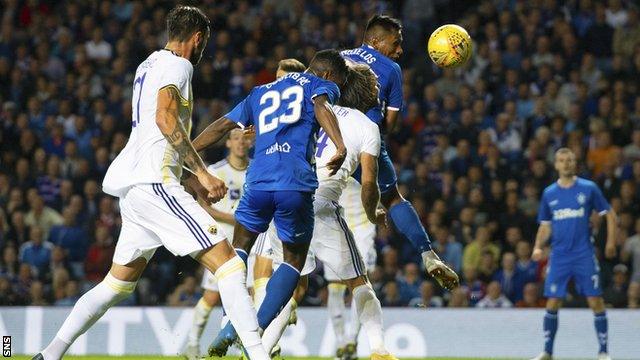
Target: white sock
[(274, 331), (237, 303), (370, 314), (89, 308), (335, 305), (354, 323), (200, 317), (259, 291)]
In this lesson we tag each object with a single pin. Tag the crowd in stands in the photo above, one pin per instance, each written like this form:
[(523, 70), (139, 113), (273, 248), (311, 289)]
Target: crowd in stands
[(473, 151)]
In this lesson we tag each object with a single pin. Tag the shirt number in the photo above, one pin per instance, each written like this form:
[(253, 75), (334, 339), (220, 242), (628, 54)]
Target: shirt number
[(322, 143), (293, 95), (139, 80)]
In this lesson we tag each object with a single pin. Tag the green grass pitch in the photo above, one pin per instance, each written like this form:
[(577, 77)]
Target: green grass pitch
[(20, 357)]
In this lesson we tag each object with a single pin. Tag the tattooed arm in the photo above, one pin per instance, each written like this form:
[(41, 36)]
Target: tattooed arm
[(175, 133)]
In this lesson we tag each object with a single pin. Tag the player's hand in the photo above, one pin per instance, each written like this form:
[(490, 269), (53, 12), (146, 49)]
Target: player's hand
[(215, 188), (444, 275), (336, 161), (249, 133), (380, 218), (610, 250), (537, 254)]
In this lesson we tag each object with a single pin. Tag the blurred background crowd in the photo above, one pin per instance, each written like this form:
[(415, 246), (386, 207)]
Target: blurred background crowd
[(473, 151)]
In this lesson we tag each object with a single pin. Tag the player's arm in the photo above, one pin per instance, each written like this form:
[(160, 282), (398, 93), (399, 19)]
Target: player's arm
[(612, 233), (169, 124), (542, 236), (395, 99), (328, 121), (370, 193), (213, 133), (216, 214), (391, 118)]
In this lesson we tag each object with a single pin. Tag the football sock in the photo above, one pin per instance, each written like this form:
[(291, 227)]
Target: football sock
[(370, 314), (336, 308), (601, 324), (259, 291), (279, 290), (239, 307), (89, 308), (274, 331), (408, 223), (550, 327), (354, 323), (200, 317)]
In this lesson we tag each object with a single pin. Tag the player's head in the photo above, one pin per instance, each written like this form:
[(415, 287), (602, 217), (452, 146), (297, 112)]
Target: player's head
[(361, 89), (188, 24), (565, 162), (237, 144), (384, 34), (329, 65), (286, 66)]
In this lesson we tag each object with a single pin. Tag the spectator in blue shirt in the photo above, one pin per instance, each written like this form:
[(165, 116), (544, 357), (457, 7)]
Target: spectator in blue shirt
[(449, 249), (510, 279), (410, 283), (36, 252), (72, 239)]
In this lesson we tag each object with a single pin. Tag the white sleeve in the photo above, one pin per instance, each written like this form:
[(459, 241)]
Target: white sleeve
[(178, 74), (371, 143)]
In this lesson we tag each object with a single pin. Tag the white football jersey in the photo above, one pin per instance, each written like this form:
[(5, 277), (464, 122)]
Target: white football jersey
[(148, 157), (234, 179), (351, 201), (360, 135)]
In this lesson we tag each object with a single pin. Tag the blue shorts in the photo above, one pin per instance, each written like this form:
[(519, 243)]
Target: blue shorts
[(584, 270), (387, 177), (291, 211)]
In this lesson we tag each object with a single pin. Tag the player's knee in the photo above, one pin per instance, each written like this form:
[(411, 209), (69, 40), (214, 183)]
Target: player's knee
[(210, 297), (121, 289), (391, 197), (355, 282), (596, 303), (553, 304), (295, 254), (301, 289)]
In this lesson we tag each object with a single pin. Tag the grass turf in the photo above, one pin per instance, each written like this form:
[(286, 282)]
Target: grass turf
[(21, 357)]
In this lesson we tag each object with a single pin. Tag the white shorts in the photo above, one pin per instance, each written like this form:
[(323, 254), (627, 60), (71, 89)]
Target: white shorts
[(155, 215), (277, 255), (333, 243), (365, 236)]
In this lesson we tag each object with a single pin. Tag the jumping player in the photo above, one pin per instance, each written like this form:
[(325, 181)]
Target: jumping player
[(565, 210), (381, 47), (281, 178), (156, 210)]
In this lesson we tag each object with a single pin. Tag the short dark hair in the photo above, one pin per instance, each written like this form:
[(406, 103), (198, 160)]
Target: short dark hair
[(330, 60), (184, 21), (291, 65), (358, 91), (382, 22)]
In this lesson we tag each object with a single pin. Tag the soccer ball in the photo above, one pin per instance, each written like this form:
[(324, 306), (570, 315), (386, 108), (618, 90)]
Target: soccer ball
[(450, 46)]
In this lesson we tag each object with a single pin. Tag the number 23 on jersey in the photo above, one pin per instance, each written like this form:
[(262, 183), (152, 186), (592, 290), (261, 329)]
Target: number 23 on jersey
[(270, 117)]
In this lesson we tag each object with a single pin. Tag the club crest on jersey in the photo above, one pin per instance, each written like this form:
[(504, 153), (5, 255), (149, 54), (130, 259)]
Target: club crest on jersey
[(581, 198), (213, 230)]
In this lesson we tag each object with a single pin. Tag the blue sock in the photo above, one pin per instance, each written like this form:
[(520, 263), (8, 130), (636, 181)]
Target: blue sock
[(243, 255), (279, 290), (406, 220), (550, 327), (601, 323)]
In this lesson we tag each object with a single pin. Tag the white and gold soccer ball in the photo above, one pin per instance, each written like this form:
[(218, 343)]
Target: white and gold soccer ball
[(450, 46)]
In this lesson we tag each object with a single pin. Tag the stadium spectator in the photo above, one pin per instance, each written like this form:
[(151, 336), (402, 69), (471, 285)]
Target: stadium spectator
[(494, 298), (185, 294), (633, 295), (473, 252), (509, 277), (72, 239), (36, 252), (631, 252), (428, 297), (99, 256), (531, 297), (615, 295), (410, 283)]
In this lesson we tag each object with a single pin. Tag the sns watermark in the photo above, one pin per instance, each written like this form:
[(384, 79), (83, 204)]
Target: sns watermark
[(6, 346)]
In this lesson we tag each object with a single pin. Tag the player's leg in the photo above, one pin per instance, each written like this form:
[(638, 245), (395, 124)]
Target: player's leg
[(555, 289), (337, 310), (201, 312), (294, 221), (586, 272)]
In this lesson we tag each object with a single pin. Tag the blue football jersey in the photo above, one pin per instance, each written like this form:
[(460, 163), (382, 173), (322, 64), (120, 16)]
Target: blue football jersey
[(568, 210), (286, 126), (389, 79)]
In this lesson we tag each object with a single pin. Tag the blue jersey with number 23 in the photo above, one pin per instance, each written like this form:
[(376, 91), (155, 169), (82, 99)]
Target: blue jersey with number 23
[(286, 127)]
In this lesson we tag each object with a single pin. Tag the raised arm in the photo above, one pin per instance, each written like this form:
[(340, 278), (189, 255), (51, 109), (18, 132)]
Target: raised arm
[(542, 236), (327, 120), (169, 124), (213, 133)]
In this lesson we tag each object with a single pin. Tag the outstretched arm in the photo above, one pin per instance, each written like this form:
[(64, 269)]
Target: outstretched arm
[(213, 133), (370, 193), (327, 120)]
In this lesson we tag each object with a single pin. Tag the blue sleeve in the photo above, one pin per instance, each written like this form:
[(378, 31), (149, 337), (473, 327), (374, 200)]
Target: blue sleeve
[(327, 88), (395, 89), (544, 212), (241, 114), (598, 201)]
